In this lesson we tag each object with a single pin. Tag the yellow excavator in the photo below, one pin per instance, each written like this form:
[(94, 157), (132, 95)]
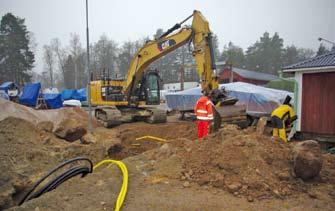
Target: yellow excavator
[(131, 99)]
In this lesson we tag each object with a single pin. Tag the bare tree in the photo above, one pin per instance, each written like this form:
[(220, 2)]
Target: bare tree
[(75, 50), (106, 52), (60, 54), (32, 42), (48, 57)]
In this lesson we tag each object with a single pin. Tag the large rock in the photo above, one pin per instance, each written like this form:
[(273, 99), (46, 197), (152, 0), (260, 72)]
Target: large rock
[(307, 159), (70, 130), (88, 138)]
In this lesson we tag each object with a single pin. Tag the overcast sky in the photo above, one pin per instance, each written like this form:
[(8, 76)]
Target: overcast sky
[(298, 22)]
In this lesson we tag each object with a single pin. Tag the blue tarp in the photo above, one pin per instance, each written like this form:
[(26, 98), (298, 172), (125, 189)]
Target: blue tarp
[(6, 85), (259, 100), (68, 94), (81, 94), (29, 94), (72, 94), (53, 100)]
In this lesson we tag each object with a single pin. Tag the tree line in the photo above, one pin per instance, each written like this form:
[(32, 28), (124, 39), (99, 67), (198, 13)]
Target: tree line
[(268, 54), (65, 65)]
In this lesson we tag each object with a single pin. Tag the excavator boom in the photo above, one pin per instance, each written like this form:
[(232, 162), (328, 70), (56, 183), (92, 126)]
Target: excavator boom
[(203, 53)]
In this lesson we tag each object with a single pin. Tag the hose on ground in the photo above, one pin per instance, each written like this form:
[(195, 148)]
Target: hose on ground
[(74, 171), (124, 186)]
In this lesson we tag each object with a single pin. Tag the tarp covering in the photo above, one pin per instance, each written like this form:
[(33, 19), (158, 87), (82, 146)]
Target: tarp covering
[(81, 94), (53, 100), (68, 94), (6, 85), (72, 94), (4, 95), (259, 100), (50, 91), (29, 94)]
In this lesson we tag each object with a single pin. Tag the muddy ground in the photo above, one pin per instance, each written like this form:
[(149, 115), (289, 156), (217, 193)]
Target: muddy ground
[(232, 169)]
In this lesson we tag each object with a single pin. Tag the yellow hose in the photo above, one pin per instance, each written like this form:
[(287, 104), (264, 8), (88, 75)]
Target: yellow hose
[(124, 187), (162, 140)]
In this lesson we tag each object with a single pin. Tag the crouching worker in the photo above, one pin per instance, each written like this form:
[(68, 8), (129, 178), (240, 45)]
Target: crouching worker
[(204, 112), (282, 118)]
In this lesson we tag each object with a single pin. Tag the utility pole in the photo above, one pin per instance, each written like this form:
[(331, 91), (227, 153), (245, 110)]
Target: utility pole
[(75, 73), (89, 72)]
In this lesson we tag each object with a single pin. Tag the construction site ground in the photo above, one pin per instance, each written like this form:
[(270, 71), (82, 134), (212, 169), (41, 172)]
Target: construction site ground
[(232, 169)]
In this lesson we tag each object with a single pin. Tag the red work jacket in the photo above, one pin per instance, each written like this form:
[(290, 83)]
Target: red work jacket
[(203, 109)]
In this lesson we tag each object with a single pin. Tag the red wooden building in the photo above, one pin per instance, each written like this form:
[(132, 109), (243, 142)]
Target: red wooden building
[(316, 95), (226, 75)]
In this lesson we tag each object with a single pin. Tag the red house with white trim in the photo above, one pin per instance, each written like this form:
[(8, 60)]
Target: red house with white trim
[(316, 96)]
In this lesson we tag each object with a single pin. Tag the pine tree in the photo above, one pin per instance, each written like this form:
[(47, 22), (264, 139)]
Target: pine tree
[(16, 59), (266, 54), (233, 54)]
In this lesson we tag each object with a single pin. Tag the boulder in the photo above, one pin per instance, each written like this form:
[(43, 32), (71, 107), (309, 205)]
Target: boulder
[(70, 130), (307, 159), (88, 138), (46, 126)]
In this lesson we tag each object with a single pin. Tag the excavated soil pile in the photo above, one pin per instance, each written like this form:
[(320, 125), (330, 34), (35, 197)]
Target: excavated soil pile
[(128, 133), (10, 109), (28, 151), (244, 163)]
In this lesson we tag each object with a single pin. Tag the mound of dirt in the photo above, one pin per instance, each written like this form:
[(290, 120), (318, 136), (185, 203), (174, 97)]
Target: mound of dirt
[(241, 162), (11, 109), (28, 151)]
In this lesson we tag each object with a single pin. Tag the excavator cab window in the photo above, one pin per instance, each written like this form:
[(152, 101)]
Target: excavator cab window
[(152, 90)]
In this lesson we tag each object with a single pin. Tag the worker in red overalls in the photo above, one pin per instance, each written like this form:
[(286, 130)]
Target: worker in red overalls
[(204, 112)]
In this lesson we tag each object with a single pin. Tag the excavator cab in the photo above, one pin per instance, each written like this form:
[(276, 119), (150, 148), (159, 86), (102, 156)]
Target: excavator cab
[(150, 88)]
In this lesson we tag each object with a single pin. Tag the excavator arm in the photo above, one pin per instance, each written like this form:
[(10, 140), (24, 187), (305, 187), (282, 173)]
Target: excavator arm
[(199, 33), (150, 52)]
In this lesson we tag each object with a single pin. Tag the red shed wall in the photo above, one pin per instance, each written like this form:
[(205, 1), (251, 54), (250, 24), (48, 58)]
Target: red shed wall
[(318, 103), (226, 74)]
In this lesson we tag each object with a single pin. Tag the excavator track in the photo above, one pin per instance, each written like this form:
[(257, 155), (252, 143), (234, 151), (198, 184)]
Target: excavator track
[(108, 116), (157, 116)]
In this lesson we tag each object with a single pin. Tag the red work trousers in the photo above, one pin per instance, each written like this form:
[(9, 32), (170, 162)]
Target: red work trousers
[(203, 127)]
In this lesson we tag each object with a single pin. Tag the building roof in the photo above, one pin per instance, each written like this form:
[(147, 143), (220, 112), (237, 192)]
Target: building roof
[(325, 60), (254, 75)]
